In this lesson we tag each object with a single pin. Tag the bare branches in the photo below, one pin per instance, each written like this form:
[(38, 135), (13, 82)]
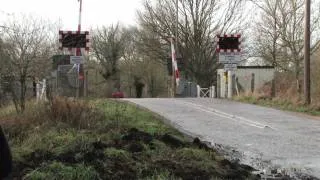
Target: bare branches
[(280, 40), (26, 52), (199, 22), (108, 44)]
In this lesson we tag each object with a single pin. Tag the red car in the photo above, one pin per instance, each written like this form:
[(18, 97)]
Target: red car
[(118, 94)]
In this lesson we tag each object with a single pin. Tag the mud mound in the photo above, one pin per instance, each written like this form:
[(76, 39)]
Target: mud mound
[(236, 170), (99, 145), (136, 135), (172, 141), (201, 145), (135, 147)]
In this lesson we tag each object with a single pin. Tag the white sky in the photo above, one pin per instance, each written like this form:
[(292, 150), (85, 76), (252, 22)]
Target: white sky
[(95, 12)]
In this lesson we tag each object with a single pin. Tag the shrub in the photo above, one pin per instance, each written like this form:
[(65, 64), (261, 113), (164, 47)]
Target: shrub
[(61, 113), (77, 113)]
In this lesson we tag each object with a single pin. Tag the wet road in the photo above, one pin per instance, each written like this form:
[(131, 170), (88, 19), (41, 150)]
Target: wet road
[(266, 138)]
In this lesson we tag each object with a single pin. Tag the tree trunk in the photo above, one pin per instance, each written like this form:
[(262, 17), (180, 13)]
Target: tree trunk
[(273, 88), (297, 75), (273, 82), (298, 83), (139, 90), (15, 100), (23, 93), (15, 97)]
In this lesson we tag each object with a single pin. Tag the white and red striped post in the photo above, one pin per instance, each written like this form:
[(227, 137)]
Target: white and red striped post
[(175, 69)]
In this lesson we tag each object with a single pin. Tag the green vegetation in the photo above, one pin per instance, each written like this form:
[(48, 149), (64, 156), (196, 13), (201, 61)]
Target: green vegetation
[(105, 139), (281, 103)]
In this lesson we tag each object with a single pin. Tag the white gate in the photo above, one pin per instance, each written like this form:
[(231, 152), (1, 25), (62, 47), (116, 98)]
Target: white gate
[(206, 92)]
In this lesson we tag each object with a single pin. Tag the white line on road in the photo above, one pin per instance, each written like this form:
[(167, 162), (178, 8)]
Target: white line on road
[(229, 116)]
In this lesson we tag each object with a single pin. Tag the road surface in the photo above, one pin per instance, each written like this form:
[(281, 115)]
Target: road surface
[(265, 138)]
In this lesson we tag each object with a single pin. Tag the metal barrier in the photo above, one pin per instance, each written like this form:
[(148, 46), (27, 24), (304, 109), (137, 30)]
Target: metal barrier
[(206, 92)]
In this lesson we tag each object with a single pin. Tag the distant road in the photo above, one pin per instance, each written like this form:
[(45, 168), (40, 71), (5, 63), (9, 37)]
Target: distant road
[(264, 136)]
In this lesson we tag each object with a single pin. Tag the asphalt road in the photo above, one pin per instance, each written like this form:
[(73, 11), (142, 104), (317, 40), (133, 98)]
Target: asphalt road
[(263, 137)]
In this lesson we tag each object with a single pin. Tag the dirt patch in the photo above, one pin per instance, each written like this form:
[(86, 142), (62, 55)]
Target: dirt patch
[(135, 147), (136, 135), (172, 141), (99, 145), (201, 145)]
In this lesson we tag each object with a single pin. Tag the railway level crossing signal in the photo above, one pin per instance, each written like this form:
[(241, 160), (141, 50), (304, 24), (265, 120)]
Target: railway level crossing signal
[(229, 51)]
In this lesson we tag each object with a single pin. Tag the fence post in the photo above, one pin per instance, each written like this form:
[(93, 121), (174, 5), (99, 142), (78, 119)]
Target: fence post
[(38, 91), (212, 92), (230, 89), (43, 94), (252, 82), (198, 91), (45, 89)]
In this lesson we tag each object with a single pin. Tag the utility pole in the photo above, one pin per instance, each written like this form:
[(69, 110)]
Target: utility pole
[(307, 53), (177, 23)]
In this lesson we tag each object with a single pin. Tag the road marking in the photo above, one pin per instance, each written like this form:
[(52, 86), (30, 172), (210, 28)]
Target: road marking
[(229, 116)]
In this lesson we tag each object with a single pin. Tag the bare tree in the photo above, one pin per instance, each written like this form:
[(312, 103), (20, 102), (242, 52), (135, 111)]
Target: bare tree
[(140, 71), (108, 44), (199, 23), (27, 50), (280, 38), (267, 40)]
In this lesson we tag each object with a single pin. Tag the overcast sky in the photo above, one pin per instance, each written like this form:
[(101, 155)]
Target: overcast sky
[(95, 12)]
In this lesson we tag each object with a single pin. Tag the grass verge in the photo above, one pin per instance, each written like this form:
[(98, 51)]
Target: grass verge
[(104, 139), (294, 105)]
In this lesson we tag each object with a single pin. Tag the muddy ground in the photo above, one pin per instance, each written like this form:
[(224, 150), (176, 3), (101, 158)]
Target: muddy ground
[(138, 155)]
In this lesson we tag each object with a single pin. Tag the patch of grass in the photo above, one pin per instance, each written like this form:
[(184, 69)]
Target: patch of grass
[(57, 170), (7, 110), (132, 116), (117, 154), (113, 140), (281, 103), (193, 154), (163, 175)]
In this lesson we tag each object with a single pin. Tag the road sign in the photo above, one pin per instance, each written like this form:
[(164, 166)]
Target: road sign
[(229, 57), (230, 67), (76, 59)]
